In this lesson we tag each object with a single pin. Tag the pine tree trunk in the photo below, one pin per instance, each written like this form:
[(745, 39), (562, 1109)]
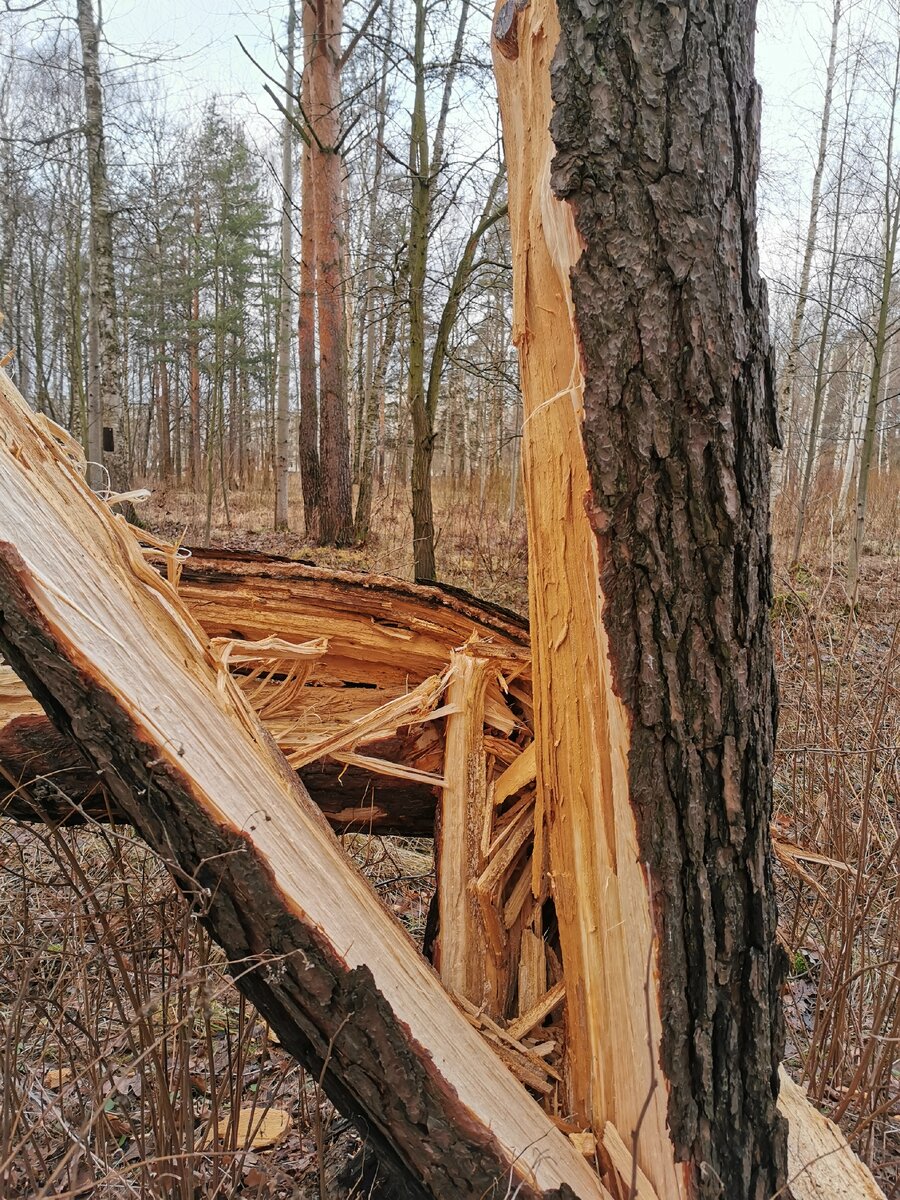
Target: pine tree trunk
[(641, 324), (336, 513)]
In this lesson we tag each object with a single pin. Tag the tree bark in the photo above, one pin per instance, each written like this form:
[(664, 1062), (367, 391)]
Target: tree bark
[(109, 398), (640, 319), (285, 291), (310, 474), (336, 511)]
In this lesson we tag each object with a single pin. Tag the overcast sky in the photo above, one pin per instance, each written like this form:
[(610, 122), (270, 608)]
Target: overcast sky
[(199, 39)]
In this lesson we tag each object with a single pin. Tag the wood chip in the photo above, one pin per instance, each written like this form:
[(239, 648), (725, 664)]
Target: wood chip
[(254, 1127)]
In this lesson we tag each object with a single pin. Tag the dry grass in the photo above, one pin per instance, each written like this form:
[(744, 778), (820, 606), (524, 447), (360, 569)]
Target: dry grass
[(124, 1045), (837, 783), (106, 976), (478, 547)]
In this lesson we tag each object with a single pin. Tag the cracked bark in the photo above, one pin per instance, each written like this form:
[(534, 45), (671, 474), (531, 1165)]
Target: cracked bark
[(656, 127), (642, 328)]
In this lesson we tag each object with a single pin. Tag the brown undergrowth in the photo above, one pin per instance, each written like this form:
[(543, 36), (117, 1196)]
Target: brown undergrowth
[(837, 818), (124, 1045)]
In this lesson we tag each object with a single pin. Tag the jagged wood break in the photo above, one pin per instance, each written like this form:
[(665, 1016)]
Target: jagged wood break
[(112, 654), (640, 320)]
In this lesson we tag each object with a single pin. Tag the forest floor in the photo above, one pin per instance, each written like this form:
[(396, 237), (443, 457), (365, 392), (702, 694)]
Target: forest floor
[(124, 1046)]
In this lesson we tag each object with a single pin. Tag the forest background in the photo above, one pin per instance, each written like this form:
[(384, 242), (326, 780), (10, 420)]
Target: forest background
[(298, 335)]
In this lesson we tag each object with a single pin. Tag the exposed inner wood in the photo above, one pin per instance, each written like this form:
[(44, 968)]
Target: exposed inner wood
[(117, 660), (521, 1019), (582, 736)]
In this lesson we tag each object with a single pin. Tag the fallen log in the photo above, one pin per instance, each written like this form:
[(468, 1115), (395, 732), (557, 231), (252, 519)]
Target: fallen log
[(45, 778), (111, 653), (382, 633)]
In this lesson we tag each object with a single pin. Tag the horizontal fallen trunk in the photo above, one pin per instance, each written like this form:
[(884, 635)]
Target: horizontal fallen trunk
[(112, 655), (45, 778), (382, 633)]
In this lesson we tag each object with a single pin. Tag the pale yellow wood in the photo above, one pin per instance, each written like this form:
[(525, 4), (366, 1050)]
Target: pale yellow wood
[(539, 1011), (821, 1165), (622, 1160), (581, 731), (532, 978), (517, 775), (91, 585), (469, 963)]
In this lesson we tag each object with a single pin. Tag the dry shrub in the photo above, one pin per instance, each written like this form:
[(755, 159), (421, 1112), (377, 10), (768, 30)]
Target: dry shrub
[(123, 1044), (837, 776)]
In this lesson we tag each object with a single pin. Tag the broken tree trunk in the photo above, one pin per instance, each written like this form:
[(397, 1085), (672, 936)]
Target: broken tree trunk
[(641, 326), (110, 651), (384, 638)]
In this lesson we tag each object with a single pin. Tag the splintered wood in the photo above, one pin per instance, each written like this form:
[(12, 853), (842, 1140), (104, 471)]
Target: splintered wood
[(403, 708), (131, 676)]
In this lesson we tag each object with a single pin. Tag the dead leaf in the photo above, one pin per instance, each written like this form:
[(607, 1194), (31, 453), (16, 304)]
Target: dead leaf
[(57, 1076)]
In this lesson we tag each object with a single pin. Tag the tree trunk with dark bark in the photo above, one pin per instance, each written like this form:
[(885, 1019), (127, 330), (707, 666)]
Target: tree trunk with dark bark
[(642, 328), (285, 286), (310, 473)]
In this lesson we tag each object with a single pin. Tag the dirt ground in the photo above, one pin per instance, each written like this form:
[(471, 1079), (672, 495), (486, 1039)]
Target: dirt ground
[(124, 1047)]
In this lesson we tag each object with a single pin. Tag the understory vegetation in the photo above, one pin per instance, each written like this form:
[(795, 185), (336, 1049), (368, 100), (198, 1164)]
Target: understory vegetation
[(125, 1048)]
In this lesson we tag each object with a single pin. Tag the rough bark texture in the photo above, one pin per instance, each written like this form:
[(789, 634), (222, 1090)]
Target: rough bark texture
[(336, 512), (310, 477), (656, 126), (285, 286), (110, 651)]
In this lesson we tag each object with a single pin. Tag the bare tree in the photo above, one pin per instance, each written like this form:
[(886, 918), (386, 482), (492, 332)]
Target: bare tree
[(285, 289), (106, 440)]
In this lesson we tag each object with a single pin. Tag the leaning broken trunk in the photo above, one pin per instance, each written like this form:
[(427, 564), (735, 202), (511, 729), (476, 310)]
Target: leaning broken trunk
[(107, 647)]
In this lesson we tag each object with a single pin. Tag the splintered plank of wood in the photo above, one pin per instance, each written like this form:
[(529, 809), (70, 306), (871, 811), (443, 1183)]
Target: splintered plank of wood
[(519, 896), (517, 775), (532, 975), (622, 1160), (535, 1015), (380, 766), (466, 969), (380, 630), (110, 650), (380, 722), (821, 1164)]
